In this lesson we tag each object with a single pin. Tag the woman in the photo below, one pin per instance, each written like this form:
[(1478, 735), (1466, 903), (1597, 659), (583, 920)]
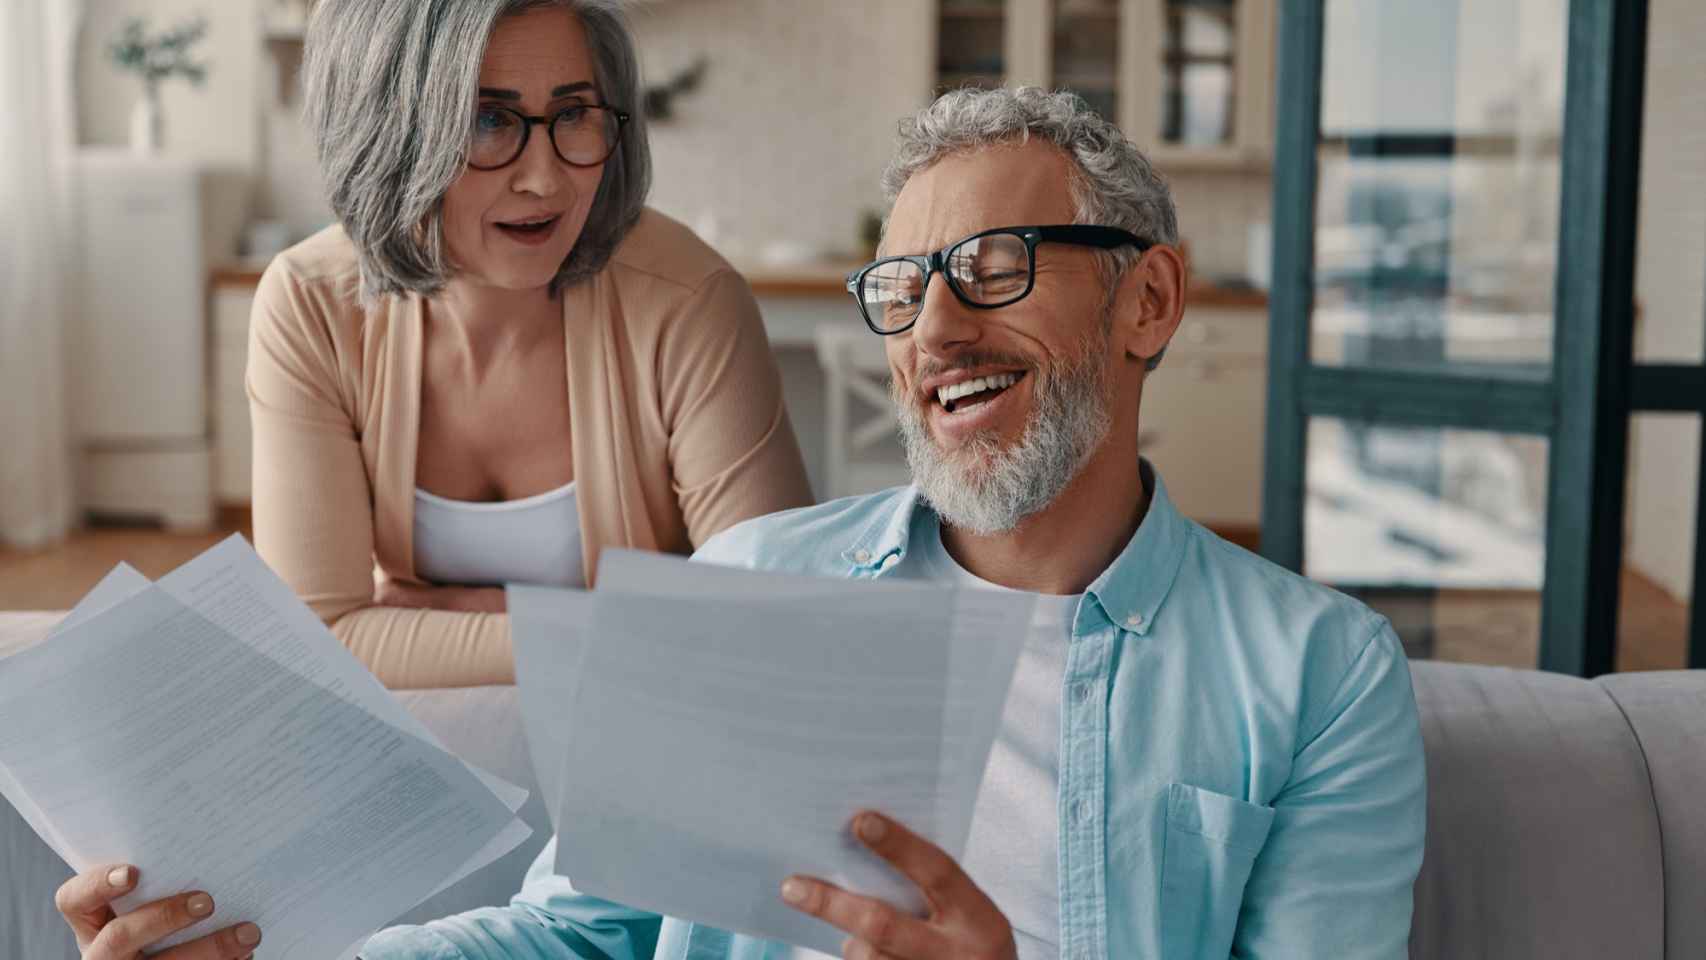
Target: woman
[(498, 363), (496, 339)]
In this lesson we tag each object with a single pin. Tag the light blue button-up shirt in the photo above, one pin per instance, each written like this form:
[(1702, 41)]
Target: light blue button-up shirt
[(1241, 768)]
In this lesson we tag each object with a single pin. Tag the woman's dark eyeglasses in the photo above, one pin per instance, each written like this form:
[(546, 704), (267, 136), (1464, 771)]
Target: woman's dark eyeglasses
[(986, 270), (583, 134)]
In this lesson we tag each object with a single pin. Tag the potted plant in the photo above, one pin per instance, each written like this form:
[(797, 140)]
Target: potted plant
[(156, 58)]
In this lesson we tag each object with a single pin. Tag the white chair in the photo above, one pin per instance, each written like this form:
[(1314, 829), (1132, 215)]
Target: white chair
[(860, 456)]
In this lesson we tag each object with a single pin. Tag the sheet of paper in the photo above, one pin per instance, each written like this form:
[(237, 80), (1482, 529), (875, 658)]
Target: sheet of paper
[(649, 573), (231, 586), (785, 714), (123, 581), (549, 630), (309, 806)]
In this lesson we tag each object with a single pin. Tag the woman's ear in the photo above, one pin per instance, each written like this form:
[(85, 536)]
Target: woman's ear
[(1149, 303)]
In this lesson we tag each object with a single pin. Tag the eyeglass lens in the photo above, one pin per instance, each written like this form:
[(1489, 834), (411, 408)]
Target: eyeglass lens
[(583, 135), (990, 270)]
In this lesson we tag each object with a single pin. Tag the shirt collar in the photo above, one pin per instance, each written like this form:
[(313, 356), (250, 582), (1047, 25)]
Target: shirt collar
[(883, 541), (1133, 588), (1129, 592)]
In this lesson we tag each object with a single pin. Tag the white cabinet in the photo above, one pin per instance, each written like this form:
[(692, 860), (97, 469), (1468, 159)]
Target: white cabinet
[(138, 343), (1204, 416), (1190, 81)]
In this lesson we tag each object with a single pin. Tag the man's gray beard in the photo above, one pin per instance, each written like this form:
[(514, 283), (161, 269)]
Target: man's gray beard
[(985, 488)]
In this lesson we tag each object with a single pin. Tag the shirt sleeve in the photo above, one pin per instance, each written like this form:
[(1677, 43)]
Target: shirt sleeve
[(547, 920), (732, 450), (313, 506), (1335, 877)]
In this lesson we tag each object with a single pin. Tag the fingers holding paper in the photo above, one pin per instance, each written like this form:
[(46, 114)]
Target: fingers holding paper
[(86, 903), (962, 920)]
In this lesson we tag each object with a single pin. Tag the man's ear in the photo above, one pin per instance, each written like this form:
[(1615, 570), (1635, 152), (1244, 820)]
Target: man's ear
[(1150, 303)]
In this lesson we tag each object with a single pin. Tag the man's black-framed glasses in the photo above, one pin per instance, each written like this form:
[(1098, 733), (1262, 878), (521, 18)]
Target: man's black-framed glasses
[(986, 270), (583, 134)]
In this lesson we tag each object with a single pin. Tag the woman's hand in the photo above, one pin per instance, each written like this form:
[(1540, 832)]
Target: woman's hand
[(390, 593), (963, 922), (86, 903)]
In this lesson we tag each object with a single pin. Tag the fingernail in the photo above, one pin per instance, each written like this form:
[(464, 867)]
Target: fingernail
[(793, 891), (200, 905), (872, 828), (119, 877), (248, 934)]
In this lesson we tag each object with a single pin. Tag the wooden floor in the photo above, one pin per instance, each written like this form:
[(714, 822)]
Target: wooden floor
[(1497, 628)]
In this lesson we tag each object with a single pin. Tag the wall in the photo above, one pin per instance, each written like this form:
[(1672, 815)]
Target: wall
[(785, 140), (1671, 287)]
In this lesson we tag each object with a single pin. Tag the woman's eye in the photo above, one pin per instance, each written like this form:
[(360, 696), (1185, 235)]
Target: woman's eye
[(491, 120), (572, 115)]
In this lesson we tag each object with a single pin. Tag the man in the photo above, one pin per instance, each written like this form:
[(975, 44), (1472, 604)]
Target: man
[(1202, 754)]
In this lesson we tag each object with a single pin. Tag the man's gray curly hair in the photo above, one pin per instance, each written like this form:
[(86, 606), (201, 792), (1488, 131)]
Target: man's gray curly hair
[(1113, 183)]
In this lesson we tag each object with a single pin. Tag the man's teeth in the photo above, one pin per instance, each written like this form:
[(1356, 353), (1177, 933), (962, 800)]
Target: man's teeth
[(1001, 381)]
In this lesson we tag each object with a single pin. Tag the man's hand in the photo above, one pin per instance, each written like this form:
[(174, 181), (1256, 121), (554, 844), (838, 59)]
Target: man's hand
[(963, 922), (390, 593)]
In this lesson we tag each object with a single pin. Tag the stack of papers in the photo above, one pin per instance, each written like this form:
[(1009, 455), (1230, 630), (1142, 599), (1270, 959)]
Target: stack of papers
[(209, 729), (700, 733)]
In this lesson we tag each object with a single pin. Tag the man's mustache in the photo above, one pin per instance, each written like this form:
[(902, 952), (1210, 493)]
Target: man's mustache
[(970, 361)]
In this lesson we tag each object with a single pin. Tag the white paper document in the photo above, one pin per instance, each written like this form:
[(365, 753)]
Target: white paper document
[(209, 729), (715, 730)]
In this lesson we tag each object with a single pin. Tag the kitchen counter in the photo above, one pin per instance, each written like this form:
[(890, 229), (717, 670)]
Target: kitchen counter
[(823, 279)]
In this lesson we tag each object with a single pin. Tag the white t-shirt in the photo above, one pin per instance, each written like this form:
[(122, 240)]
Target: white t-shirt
[(1013, 852)]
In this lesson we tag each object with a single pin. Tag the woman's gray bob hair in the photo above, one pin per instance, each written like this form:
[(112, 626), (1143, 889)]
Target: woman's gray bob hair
[(389, 88)]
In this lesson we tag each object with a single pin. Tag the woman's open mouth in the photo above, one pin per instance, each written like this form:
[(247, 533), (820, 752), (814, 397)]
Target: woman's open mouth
[(533, 231)]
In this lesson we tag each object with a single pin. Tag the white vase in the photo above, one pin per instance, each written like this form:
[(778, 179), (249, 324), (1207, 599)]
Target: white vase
[(145, 123)]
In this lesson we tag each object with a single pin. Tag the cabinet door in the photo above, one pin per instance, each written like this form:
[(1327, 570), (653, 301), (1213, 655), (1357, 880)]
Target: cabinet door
[(1196, 79), (1190, 81), (140, 334)]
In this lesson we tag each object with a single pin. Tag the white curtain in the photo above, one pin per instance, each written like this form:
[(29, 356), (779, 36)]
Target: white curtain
[(37, 135)]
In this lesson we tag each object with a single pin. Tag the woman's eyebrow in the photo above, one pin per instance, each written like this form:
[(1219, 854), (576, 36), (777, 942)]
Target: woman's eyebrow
[(496, 93)]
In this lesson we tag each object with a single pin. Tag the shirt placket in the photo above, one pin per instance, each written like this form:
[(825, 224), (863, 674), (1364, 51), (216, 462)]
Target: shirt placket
[(1083, 781)]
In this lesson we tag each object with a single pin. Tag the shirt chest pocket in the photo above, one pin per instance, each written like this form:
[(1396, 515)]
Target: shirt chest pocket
[(1211, 843)]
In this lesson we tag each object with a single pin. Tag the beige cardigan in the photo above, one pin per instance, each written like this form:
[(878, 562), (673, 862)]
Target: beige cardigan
[(679, 432)]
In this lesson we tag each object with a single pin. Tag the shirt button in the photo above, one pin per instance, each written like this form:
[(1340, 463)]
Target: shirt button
[(1134, 621), (1080, 692), (862, 557), (890, 560), (1081, 811)]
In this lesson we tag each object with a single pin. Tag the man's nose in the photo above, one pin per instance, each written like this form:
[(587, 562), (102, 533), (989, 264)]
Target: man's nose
[(945, 325)]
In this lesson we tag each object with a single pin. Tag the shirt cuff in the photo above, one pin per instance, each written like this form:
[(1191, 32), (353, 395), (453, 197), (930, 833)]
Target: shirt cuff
[(409, 943)]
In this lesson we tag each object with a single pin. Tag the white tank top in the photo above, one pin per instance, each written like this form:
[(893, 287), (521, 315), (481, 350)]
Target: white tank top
[(534, 540)]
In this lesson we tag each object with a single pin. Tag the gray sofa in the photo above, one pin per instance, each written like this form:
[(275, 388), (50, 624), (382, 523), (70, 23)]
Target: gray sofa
[(1565, 818)]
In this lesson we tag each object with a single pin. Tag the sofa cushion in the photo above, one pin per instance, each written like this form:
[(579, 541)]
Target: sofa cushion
[(1542, 841), (1667, 711)]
